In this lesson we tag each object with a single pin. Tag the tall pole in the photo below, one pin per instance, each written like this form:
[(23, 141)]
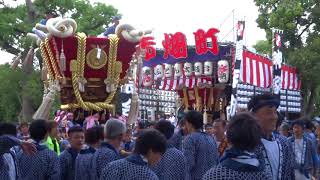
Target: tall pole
[(233, 40), (237, 62)]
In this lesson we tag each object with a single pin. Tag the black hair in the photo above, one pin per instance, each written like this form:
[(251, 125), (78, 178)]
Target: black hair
[(280, 119), (23, 124), (38, 129), (215, 115), (75, 129), (261, 100), (223, 122), (165, 127), (51, 125), (181, 122), (299, 123), (208, 125), (151, 123), (143, 124), (244, 132), (150, 139), (195, 118), (8, 129), (309, 124), (93, 135)]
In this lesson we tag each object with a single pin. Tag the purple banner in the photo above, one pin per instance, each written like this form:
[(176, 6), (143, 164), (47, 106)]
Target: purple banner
[(224, 51)]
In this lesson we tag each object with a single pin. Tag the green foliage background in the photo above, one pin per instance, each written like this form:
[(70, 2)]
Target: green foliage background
[(15, 23)]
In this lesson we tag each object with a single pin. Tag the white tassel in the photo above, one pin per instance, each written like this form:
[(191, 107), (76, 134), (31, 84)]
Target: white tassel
[(63, 65), (134, 108), (205, 117), (43, 111), (82, 82)]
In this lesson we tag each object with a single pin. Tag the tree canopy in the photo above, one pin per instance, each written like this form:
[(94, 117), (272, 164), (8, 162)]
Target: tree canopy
[(19, 87), (300, 22)]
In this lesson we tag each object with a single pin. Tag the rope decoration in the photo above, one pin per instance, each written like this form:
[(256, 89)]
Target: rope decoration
[(61, 28), (46, 60), (52, 60), (77, 70)]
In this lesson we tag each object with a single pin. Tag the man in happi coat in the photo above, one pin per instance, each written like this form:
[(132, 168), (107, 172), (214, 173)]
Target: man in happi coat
[(68, 157), (149, 148), (8, 162), (114, 131), (199, 148), (274, 149), (219, 129), (177, 138), (239, 162), (304, 151), (42, 165), (83, 165), (173, 164)]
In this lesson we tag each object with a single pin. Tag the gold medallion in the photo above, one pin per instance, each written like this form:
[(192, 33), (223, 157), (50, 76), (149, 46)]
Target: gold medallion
[(96, 58)]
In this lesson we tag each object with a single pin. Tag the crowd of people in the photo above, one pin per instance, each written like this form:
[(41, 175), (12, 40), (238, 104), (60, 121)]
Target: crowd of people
[(252, 145)]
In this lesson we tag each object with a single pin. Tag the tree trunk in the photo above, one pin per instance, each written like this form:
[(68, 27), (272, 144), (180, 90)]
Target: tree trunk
[(309, 101), (27, 109)]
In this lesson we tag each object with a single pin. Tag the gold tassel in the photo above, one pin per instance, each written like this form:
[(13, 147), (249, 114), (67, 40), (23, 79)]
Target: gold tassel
[(185, 99), (63, 65)]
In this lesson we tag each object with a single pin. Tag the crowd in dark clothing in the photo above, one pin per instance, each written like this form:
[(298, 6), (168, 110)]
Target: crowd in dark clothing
[(250, 146)]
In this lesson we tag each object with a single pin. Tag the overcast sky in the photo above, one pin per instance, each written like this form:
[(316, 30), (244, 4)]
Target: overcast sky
[(170, 16)]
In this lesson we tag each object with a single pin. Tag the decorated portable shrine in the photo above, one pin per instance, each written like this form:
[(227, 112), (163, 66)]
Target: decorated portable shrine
[(210, 77), (214, 77), (87, 71), (187, 77)]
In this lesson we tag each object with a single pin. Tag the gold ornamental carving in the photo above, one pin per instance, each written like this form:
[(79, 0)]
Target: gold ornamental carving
[(94, 61)]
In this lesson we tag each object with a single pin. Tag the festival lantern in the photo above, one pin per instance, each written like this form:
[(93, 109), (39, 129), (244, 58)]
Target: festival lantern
[(187, 69), (158, 72), (167, 70), (177, 70), (147, 76), (198, 68), (223, 71), (208, 68)]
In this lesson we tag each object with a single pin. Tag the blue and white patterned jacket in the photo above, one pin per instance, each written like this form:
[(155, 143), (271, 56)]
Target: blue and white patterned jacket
[(286, 159), (201, 153), (172, 166), (176, 140), (104, 155), (130, 168), (6, 143), (67, 161), (43, 165), (309, 154), (83, 167)]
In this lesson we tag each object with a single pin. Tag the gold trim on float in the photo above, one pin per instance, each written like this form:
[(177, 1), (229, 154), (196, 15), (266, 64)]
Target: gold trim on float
[(92, 60)]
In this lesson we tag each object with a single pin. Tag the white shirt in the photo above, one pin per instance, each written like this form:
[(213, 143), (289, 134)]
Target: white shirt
[(298, 148), (10, 162), (273, 154)]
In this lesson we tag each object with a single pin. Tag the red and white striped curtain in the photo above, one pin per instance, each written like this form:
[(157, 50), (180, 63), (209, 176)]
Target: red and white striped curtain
[(256, 70), (290, 79)]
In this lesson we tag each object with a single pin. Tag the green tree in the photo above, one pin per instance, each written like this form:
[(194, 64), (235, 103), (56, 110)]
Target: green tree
[(16, 22), (300, 22), (263, 47)]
